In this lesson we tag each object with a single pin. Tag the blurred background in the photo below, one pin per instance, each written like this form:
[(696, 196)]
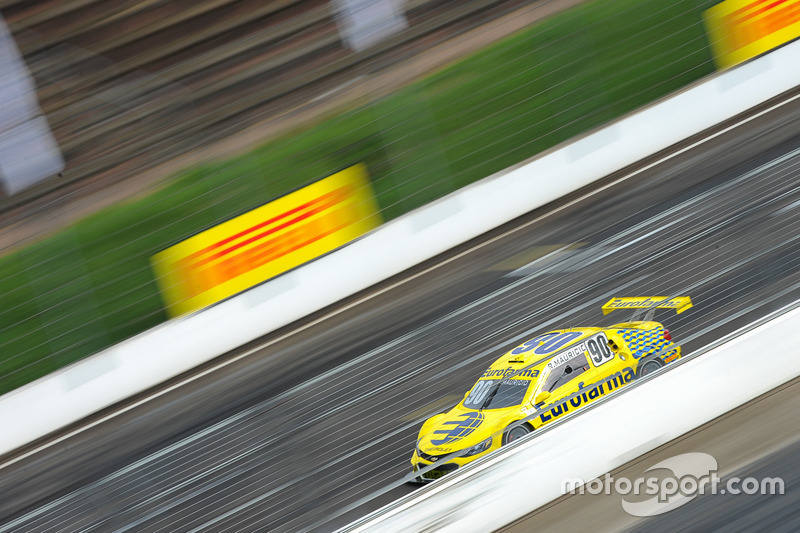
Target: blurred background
[(159, 119)]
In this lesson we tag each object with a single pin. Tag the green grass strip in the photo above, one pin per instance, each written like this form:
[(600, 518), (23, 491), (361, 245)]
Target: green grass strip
[(90, 286)]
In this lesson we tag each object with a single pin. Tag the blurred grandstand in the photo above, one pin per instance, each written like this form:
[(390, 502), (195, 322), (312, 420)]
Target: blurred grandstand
[(131, 84)]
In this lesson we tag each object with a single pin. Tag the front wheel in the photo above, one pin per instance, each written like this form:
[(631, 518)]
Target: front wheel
[(648, 365), (515, 432)]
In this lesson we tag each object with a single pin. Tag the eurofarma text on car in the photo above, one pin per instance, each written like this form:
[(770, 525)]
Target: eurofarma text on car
[(542, 380)]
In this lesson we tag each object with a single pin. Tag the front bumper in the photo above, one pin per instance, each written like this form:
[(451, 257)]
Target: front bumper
[(434, 474), (445, 467)]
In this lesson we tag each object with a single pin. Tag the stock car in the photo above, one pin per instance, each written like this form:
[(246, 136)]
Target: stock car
[(542, 380)]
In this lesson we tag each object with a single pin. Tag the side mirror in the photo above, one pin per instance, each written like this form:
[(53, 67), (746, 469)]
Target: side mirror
[(541, 397)]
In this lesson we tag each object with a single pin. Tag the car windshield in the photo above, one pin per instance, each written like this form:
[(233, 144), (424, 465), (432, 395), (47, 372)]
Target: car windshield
[(496, 393)]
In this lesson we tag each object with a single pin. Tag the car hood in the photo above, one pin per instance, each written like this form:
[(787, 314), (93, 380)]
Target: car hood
[(462, 428)]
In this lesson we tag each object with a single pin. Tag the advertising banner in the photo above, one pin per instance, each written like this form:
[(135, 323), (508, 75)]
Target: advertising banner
[(743, 29), (267, 241)]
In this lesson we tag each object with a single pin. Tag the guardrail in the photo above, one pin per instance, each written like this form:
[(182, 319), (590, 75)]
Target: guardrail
[(148, 359), (495, 491)]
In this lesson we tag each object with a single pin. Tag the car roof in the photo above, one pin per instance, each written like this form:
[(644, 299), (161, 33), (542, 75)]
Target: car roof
[(540, 349)]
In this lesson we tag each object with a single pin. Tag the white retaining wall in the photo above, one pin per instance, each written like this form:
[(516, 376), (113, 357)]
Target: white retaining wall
[(488, 495), (139, 363)]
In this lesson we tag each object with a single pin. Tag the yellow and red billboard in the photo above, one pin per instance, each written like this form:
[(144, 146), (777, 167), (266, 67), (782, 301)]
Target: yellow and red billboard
[(267, 241), (742, 29)]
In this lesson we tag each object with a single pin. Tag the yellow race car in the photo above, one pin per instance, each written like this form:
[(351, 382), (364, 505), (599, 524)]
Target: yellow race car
[(542, 380)]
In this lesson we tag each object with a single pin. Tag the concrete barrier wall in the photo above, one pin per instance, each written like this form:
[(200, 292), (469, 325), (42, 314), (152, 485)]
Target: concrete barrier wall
[(139, 363), (494, 492)]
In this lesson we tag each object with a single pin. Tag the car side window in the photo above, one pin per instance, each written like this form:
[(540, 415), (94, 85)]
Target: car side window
[(565, 372)]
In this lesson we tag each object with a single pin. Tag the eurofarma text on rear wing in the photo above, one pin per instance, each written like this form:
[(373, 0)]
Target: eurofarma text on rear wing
[(679, 303)]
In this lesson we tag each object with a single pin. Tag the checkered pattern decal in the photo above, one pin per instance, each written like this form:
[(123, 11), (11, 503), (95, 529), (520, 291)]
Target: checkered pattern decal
[(644, 342)]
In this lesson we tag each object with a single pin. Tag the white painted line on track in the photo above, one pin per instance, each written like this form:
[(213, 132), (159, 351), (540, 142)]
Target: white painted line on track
[(527, 268), (287, 484), (195, 377), (787, 208)]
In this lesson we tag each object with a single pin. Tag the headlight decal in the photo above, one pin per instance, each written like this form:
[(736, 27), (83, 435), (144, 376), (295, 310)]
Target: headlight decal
[(478, 448)]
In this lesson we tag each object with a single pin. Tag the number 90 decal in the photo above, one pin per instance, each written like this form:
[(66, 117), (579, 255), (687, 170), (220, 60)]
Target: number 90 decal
[(598, 348), (549, 343)]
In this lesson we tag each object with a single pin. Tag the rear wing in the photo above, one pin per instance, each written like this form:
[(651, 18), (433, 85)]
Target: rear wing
[(679, 303)]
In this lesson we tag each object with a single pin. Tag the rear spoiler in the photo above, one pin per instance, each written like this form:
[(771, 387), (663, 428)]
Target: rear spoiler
[(679, 303)]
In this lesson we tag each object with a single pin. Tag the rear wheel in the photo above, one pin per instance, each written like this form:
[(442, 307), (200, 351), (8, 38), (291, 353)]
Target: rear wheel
[(648, 365), (513, 433)]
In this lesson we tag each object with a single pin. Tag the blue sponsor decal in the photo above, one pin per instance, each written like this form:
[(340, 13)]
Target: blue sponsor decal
[(550, 342), (533, 343), (460, 428), (614, 381), (558, 342), (503, 372)]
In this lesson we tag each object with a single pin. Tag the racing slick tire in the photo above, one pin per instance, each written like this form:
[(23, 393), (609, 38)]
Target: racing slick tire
[(648, 365), (513, 433)]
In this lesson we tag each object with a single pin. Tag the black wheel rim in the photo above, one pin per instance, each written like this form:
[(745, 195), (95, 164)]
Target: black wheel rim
[(515, 433), (649, 367)]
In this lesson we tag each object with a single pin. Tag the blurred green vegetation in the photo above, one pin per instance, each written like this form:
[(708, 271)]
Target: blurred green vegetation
[(90, 286)]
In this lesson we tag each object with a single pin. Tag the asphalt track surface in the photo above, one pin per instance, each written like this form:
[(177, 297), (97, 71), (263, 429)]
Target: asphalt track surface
[(316, 425)]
